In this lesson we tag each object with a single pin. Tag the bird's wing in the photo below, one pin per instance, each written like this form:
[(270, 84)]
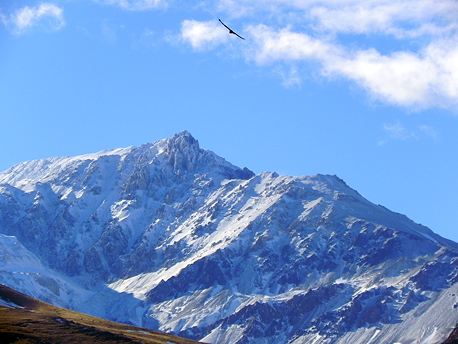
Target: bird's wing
[(230, 30), (227, 27), (235, 33)]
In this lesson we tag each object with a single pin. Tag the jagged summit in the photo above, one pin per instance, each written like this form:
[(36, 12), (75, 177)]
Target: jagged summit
[(183, 140), (163, 159), (186, 156), (170, 236), (184, 152)]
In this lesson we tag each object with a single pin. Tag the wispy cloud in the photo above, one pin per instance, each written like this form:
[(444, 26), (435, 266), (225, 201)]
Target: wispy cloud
[(428, 130), (401, 18), (109, 31), (398, 18), (398, 132), (46, 15), (135, 5)]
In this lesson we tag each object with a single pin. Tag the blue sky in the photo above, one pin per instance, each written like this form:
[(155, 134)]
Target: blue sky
[(364, 89)]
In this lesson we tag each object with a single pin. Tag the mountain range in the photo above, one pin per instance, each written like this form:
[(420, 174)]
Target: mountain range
[(172, 237)]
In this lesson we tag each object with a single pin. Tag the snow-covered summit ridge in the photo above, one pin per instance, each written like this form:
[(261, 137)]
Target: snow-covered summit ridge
[(179, 155)]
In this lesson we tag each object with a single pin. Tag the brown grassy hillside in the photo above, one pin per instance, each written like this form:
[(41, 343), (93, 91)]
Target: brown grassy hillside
[(33, 321)]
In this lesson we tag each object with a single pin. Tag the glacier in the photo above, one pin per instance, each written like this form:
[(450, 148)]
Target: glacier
[(173, 237)]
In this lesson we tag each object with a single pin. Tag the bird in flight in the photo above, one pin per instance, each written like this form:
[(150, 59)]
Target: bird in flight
[(230, 30)]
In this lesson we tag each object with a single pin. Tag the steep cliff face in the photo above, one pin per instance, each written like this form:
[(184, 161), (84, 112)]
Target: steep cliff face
[(173, 237)]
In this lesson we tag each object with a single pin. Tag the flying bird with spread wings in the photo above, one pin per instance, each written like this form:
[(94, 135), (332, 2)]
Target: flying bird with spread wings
[(230, 30)]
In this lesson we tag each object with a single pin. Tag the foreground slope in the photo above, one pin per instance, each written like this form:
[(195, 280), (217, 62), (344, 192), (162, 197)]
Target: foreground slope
[(27, 320), (173, 237)]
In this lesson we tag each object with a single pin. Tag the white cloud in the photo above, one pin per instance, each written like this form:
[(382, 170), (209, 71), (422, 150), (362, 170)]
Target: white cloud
[(46, 14), (203, 35), (413, 79), (422, 79), (401, 78), (135, 5), (356, 16), (285, 44), (400, 52), (406, 18)]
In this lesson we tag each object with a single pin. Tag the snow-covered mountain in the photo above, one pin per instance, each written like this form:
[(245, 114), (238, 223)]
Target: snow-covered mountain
[(172, 237)]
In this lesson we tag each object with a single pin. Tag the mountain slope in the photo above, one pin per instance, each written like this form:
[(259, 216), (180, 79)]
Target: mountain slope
[(172, 237), (27, 320)]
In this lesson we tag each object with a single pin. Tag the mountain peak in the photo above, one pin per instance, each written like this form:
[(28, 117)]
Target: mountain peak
[(182, 142), (183, 153), (183, 133)]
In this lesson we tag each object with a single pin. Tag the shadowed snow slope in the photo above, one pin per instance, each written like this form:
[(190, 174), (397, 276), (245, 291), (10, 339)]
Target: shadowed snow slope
[(172, 237)]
